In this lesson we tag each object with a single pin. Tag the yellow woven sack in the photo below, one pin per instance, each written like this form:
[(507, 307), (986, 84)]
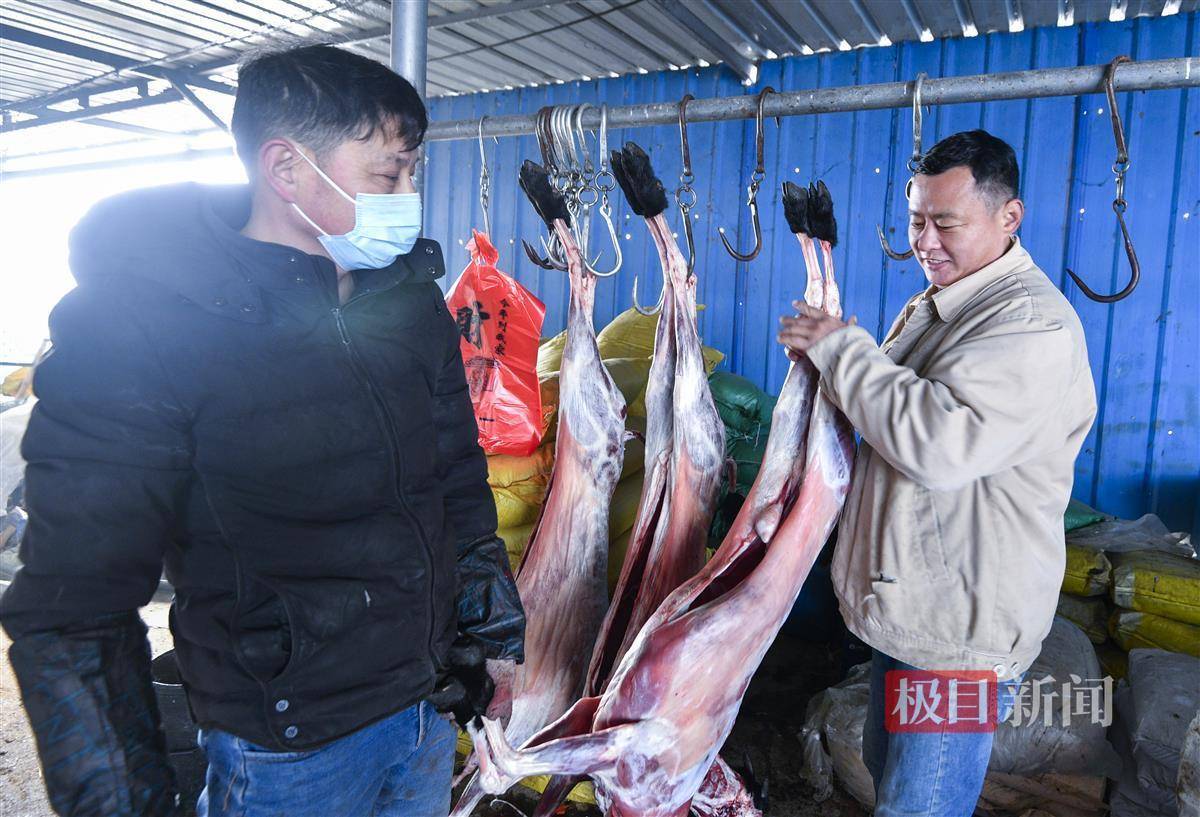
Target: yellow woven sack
[(519, 485), (515, 540), (629, 334), (1091, 614), (548, 387), (506, 470), (1164, 584), (550, 354), (630, 374), (1088, 572), (635, 447), (13, 382), (617, 549), (1132, 630), (623, 509)]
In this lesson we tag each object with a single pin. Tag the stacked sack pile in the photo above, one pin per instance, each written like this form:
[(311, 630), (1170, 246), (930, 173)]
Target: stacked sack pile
[(1130, 584), (519, 484), (1157, 732)]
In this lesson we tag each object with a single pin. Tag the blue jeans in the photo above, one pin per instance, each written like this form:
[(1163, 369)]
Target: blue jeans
[(926, 774), (400, 766)]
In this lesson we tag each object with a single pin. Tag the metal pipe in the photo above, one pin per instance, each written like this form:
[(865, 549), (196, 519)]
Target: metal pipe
[(410, 52), (1146, 75), (410, 41)]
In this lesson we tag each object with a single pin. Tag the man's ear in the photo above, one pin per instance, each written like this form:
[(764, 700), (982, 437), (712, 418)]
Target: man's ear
[(1011, 215), (278, 163)]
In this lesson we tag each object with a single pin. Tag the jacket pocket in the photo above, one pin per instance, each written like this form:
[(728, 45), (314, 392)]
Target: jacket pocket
[(297, 619), (927, 550)]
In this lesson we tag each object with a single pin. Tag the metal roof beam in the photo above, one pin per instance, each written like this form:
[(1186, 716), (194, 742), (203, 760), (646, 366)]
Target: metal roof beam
[(54, 117), (870, 24), (497, 10), (839, 42), (65, 47), (41, 102), (781, 26), (443, 20), (1016, 20), (141, 130), (180, 85), (736, 26), (965, 20), (918, 22), (739, 64)]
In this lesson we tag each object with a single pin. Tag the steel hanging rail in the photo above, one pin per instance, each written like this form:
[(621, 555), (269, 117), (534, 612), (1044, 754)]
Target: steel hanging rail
[(1148, 75)]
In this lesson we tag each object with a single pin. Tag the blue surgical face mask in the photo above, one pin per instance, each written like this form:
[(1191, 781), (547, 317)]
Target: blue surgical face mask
[(386, 225)]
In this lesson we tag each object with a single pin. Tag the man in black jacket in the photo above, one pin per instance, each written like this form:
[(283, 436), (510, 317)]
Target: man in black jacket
[(260, 388)]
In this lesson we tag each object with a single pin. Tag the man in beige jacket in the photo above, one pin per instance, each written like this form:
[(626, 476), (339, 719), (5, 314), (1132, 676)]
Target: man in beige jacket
[(971, 413)]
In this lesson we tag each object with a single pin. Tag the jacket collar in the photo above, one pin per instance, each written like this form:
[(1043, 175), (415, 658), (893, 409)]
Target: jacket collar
[(265, 265), (949, 301)]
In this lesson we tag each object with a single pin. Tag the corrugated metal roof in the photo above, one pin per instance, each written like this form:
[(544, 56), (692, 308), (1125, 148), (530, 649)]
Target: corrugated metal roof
[(57, 57)]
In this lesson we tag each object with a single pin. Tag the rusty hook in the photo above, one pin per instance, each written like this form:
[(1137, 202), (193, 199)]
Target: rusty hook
[(756, 180), (1119, 205), (913, 164)]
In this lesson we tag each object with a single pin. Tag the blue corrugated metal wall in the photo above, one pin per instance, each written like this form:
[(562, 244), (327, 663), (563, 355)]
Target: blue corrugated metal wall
[(1144, 452)]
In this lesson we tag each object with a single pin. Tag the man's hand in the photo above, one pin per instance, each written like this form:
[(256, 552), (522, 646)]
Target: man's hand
[(464, 689), (802, 331)]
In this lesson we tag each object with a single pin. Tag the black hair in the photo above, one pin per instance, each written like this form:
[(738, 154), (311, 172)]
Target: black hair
[(322, 96), (992, 161)]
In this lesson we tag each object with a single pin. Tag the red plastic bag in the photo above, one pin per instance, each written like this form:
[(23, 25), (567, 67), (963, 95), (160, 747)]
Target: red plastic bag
[(501, 323)]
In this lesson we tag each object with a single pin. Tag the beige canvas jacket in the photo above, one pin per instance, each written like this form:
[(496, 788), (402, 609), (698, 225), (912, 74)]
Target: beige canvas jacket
[(950, 553)]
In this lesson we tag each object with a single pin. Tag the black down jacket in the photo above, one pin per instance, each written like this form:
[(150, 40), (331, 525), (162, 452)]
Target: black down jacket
[(308, 472)]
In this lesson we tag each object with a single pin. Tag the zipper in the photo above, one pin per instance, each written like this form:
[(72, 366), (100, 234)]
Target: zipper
[(392, 435)]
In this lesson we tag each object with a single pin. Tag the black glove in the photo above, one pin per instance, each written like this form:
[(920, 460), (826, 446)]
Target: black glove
[(489, 608), (88, 693), (464, 689)]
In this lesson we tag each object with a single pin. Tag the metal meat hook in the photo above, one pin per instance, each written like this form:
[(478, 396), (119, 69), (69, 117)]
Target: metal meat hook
[(1119, 205), (545, 138), (485, 182), (662, 295), (913, 162), (755, 181), (685, 196), (604, 182)]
